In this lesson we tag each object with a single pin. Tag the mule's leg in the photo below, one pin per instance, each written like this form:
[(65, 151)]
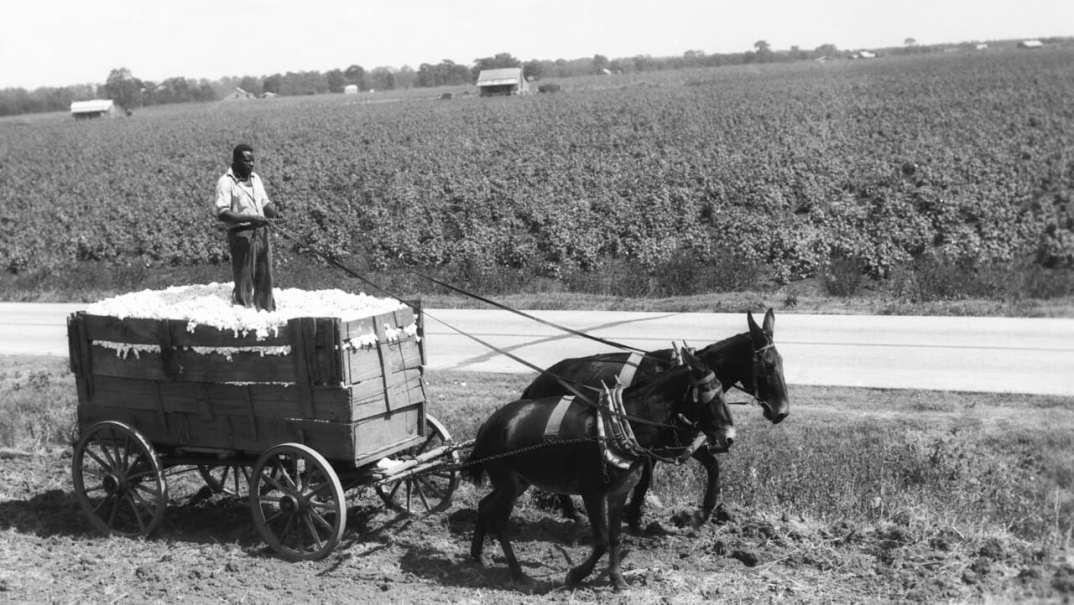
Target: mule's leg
[(616, 503), (494, 512), (484, 509), (597, 508), (712, 486), (637, 497)]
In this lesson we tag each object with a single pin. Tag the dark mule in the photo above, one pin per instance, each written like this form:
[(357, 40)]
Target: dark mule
[(555, 443), (749, 359)]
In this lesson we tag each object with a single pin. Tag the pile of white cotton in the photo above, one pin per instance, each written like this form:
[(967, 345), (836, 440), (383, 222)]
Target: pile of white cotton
[(210, 304)]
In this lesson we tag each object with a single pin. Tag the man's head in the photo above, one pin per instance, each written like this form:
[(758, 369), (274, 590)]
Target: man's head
[(242, 160)]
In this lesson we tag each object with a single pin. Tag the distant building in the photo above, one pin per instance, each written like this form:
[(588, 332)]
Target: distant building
[(239, 95), (1030, 44), (503, 81), (350, 89), (981, 46), (865, 54), (97, 108)]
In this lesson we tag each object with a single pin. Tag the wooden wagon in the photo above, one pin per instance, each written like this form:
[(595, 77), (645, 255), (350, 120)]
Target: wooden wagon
[(292, 421)]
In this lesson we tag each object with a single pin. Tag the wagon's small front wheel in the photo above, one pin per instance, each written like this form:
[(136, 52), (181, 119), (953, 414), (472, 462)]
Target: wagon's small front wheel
[(118, 480), (297, 502), (428, 491)]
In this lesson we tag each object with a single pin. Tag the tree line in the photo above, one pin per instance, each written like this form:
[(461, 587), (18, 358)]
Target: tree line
[(130, 92)]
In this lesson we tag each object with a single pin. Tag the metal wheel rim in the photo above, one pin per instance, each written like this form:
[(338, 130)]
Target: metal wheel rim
[(118, 480), (428, 492), (297, 502)]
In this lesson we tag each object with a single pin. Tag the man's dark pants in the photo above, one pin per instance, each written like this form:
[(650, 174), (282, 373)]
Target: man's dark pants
[(251, 265)]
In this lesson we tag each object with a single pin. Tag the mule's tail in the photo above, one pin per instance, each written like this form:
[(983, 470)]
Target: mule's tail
[(474, 468)]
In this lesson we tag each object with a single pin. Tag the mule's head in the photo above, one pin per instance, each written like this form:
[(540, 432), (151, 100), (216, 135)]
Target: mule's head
[(768, 386), (705, 408)]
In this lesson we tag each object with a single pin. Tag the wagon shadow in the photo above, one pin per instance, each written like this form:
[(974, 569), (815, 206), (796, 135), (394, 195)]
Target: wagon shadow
[(51, 513), (57, 513)]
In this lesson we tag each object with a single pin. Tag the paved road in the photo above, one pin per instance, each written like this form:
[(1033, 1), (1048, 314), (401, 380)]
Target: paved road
[(1013, 355)]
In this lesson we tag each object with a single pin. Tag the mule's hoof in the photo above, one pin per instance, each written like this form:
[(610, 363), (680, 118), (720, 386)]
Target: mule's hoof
[(722, 515), (618, 583), (575, 577)]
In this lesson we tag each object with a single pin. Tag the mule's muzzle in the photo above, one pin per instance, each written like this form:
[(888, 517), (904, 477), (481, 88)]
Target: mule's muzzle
[(772, 415), (722, 440)]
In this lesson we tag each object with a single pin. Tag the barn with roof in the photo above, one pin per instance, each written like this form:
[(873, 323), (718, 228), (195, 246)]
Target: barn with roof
[(96, 108), (502, 81)]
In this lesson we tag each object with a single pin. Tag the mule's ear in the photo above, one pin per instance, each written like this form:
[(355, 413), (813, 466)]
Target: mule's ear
[(755, 330), (769, 322)]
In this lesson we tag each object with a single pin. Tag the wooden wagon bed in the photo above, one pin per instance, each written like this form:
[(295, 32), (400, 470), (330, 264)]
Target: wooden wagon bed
[(353, 390)]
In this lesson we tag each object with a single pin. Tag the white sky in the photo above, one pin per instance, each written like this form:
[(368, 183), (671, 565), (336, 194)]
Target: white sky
[(60, 42)]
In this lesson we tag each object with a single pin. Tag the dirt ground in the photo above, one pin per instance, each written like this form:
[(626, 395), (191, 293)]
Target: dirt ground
[(210, 552)]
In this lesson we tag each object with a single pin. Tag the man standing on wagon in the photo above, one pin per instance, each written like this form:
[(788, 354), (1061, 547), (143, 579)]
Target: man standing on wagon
[(243, 205)]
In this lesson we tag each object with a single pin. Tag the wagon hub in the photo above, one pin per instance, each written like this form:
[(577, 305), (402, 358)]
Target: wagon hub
[(291, 504), (112, 484)]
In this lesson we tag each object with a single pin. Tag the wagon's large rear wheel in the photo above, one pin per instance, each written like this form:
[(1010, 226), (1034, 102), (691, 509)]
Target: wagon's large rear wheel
[(297, 502), (118, 480), (428, 491)]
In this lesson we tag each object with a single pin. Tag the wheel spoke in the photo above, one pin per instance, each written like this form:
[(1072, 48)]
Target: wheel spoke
[(292, 484), (112, 512), (92, 454), (275, 484), (288, 527), (421, 494), (137, 514), (315, 516), (313, 531)]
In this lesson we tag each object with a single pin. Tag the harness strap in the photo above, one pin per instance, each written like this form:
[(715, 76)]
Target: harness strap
[(630, 367), (555, 420)]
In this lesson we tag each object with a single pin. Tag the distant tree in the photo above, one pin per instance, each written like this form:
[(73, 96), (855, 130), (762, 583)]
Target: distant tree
[(406, 77), (355, 74), (336, 80), (272, 84), (826, 50), (910, 41), (251, 85), (644, 63), (123, 88), (693, 57), (533, 69), (763, 51), (382, 78), (600, 63)]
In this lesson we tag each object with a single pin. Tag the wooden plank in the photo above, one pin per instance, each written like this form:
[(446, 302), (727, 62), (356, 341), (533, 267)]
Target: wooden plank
[(365, 363), (144, 331), (383, 431), (303, 357), (194, 367), (328, 346), (385, 363), (81, 360)]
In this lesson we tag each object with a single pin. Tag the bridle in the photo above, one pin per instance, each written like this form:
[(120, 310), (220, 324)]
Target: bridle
[(756, 365)]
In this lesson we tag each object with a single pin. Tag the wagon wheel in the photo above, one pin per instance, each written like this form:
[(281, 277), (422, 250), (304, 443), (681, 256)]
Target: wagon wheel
[(118, 480), (226, 479), (426, 492), (297, 502)]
